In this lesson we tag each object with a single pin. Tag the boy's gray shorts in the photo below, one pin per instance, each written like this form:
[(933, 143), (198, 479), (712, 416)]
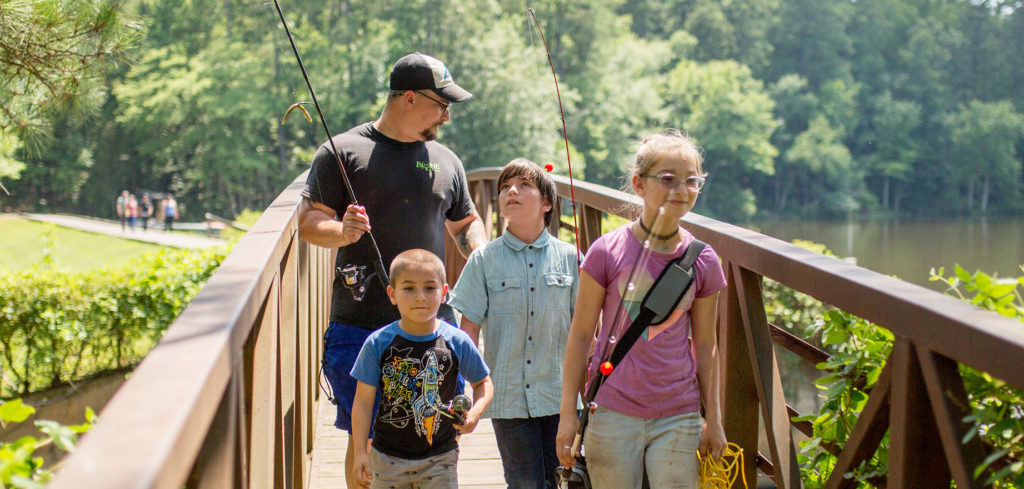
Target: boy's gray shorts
[(437, 472)]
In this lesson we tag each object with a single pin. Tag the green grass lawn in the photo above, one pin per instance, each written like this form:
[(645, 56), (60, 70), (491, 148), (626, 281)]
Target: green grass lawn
[(22, 244)]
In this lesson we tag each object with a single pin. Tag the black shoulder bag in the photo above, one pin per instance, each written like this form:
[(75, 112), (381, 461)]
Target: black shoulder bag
[(659, 302)]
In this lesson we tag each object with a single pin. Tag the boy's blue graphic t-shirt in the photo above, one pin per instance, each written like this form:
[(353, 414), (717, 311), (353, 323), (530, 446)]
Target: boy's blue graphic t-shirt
[(414, 376)]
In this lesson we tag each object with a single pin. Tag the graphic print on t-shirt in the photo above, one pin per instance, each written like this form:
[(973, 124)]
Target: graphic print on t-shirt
[(411, 386), (634, 296)]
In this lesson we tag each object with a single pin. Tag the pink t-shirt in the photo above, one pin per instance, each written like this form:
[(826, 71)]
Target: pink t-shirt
[(658, 377)]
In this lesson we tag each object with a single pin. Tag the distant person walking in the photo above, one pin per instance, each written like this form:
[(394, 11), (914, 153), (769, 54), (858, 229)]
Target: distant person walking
[(170, 213), (121, 206), (145, 211), (132, 211)]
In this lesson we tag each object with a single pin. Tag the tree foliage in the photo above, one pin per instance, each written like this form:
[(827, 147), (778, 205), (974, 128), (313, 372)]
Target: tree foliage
[(54, 55), (886, 93)]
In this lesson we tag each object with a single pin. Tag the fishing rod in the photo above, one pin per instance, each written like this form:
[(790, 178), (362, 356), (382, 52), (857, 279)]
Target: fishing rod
[(565, 134), (378, 265)]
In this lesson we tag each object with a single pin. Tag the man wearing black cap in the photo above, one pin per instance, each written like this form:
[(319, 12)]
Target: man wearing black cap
[(411, 188)]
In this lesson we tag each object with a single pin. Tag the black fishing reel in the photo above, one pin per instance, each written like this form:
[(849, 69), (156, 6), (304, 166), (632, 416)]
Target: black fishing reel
[(355, 280), (574, 477), (457, 409)]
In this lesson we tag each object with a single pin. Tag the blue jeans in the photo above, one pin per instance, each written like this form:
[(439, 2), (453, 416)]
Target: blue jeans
[(527, 448), (341, 347)]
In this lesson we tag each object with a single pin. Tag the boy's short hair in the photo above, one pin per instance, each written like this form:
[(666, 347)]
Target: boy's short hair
[(416, 258), (528, 170)]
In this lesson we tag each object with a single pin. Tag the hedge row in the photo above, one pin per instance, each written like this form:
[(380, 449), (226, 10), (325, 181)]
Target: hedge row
[(57, 327)]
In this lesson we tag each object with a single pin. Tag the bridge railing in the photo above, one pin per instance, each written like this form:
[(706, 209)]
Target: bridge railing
[(919, 398), (227, 398)]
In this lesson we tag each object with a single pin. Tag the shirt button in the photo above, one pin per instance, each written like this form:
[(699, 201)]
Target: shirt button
[(531, 265), (527, 362), (530, 338), (527, 386), (531, 247), (503, 284), (531, 289), (531, 313)]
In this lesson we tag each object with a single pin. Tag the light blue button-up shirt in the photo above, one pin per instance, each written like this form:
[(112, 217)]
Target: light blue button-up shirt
[(523, 296)]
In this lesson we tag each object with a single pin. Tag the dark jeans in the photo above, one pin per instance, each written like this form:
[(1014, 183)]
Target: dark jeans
[(527, 448)]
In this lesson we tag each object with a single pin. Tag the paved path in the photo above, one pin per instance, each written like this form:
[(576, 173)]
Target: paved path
[(113, 228), (479, 463)]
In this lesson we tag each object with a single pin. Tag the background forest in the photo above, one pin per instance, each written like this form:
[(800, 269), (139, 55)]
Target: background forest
[(803, 107)]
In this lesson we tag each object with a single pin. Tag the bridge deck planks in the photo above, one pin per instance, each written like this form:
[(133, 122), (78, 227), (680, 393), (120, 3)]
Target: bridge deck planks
[(479, 463)]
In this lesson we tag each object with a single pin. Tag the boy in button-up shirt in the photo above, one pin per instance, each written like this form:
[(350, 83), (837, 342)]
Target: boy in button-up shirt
[(523, 287)]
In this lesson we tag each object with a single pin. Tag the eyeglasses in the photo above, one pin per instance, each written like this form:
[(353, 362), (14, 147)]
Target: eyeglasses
[(446, 109), (669, 181)]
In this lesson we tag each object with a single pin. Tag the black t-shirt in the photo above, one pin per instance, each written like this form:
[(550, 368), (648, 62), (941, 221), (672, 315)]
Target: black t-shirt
[(408, 189), (415, 376)]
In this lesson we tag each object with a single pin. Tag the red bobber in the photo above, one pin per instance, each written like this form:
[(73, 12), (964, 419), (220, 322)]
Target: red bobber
[(549, 167), (607, 367)]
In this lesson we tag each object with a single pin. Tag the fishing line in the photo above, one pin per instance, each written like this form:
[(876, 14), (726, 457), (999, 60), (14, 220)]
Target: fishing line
[(639, 263), (565, 132), (379, 263)]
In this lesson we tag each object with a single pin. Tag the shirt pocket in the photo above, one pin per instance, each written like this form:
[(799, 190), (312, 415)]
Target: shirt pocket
[(559, 289), (506, 295)]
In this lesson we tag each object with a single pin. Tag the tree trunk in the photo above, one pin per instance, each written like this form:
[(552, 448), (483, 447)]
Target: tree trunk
[(970, 195), (985, 191), (885, 192)]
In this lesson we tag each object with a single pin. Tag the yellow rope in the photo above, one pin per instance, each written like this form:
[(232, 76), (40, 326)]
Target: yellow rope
[(721, 473)]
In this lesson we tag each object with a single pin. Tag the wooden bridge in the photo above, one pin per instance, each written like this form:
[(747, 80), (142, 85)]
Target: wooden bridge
[(229, 396)]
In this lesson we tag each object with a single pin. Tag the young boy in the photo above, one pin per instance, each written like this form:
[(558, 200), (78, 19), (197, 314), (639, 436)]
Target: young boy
[(523, 286), (415, 363)]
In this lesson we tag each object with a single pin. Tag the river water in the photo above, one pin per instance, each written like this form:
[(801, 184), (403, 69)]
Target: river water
[(908, 249)]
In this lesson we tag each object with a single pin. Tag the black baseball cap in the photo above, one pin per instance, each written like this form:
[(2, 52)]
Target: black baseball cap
[(417, 71)]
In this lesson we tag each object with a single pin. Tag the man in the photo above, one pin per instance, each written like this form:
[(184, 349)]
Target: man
[(411, 188)]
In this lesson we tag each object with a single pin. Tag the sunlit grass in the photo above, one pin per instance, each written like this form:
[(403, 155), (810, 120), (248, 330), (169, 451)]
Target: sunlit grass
[(22, 244)]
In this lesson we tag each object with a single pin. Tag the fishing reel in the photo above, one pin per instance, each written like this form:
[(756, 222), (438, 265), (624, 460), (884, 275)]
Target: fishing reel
[(574, 477), (457, 409), (355, 279)]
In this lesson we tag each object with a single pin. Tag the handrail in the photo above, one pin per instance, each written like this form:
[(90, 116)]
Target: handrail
[(920, 399), (227, 397)]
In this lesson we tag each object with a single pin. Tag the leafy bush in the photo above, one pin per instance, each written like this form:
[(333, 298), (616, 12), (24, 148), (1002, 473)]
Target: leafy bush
[(997, 409), (58, 326), (19, 465), (858, 351)]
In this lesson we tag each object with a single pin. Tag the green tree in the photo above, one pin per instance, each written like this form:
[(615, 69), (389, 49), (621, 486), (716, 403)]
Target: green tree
[(810, 39), (729, 114), (985, 137), (891, 147), (821, 171), (53, 56), (795, 105), (733, 29), (925, 62)]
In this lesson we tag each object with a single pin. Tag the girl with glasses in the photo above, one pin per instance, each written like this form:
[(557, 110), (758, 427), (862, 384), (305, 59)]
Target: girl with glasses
[(646, 414)]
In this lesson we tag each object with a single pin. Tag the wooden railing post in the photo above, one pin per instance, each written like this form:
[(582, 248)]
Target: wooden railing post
[(949, 399), (590, 221), (767, 379), (740, 402), (913, 434)]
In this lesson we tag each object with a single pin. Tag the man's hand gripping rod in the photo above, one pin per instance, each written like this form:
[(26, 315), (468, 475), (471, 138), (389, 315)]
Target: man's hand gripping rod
[(378, 265)]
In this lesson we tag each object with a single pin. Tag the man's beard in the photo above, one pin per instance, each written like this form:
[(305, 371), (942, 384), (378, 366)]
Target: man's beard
[(430, 133)]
